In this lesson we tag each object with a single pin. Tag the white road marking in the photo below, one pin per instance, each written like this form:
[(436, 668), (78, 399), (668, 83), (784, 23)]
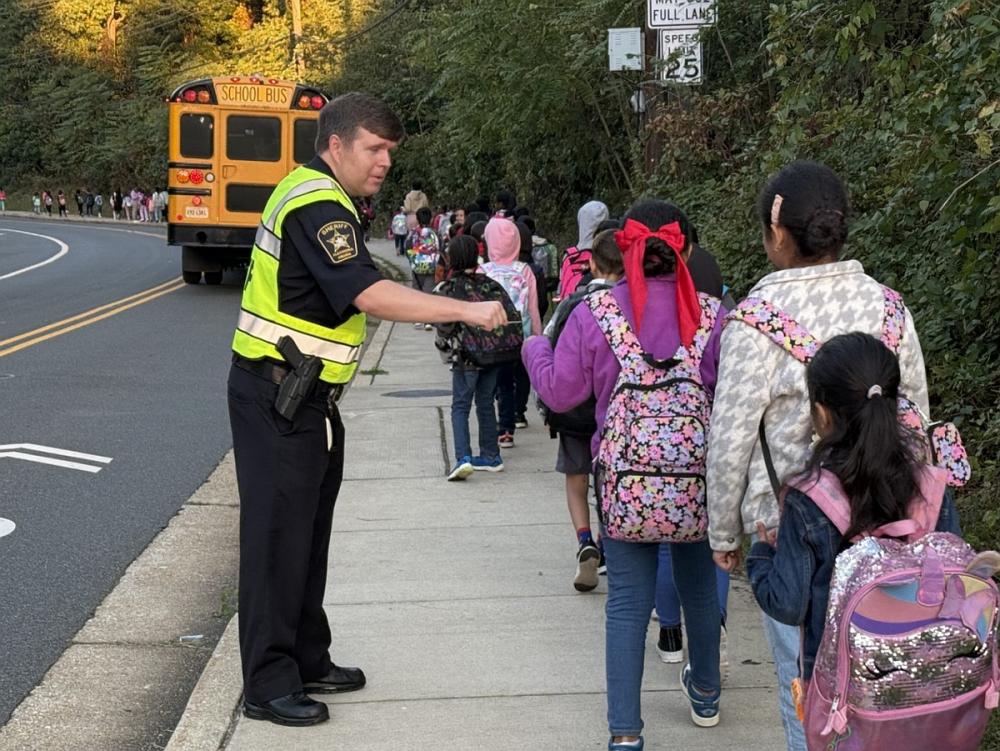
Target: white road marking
[(63, 250), (6, 527), (49, 460), (11, 451), (58, 452)]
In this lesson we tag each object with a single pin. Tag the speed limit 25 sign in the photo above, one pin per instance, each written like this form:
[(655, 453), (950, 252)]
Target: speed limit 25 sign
[(680, 50)]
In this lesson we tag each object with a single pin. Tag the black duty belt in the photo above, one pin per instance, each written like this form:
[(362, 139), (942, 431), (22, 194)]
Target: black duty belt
[(276, 372)]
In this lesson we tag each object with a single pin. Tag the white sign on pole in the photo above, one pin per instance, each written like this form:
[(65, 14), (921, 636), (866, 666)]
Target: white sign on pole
[(661, 14), (680, 49), (625, 49)]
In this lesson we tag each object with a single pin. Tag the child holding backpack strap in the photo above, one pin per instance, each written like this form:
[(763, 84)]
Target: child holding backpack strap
[(648, 351), (898, 631), (476, 356)]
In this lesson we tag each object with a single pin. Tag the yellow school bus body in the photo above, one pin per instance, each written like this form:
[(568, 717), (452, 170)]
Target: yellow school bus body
[(231, 140)]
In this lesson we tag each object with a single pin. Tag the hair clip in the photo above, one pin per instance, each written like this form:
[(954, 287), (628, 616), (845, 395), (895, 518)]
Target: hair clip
[(776, 208), (875, 390)]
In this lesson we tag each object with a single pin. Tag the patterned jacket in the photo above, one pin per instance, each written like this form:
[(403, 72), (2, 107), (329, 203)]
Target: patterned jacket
[(758, 378)]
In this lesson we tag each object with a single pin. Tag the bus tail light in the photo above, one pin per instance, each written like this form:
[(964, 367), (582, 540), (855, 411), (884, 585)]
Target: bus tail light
[(183, 176), (210, 177), (196, 201), (197, 176), (317, 102)]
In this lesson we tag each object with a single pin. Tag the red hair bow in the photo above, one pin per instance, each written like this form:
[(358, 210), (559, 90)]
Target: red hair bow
[(632, 242)]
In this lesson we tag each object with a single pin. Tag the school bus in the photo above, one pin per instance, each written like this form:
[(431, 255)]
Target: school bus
[(231, 140)]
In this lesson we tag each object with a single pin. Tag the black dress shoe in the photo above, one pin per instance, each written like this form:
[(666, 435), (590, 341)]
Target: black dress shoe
[(295, 709), (337, 681)]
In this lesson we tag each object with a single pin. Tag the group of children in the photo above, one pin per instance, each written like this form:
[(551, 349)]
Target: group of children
[(797, 417)]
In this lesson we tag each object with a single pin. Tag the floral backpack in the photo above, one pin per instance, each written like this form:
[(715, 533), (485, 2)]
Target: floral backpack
[(908, 657), (651, 461), (423, 252), (944, 443), (512, 277)]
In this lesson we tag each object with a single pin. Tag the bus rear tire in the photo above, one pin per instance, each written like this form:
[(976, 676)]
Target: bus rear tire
[(194, 277), (213, 277)]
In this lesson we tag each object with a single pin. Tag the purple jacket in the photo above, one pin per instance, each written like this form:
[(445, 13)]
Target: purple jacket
[(583, 363)]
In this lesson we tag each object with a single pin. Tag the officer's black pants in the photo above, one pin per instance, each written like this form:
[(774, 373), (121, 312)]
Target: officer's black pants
[(288, 482)]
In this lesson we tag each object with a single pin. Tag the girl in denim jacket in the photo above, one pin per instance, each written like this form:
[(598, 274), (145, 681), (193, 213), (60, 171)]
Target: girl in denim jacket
[(853, 386)]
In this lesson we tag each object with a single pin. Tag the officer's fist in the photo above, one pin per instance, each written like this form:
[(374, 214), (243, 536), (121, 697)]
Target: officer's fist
[(487, 315)]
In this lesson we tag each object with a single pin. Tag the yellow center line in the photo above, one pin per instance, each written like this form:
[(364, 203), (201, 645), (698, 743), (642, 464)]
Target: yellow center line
[(139, 299), (87, 313)]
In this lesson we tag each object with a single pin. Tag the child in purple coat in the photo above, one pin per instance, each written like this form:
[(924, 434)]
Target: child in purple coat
[(658, 304)]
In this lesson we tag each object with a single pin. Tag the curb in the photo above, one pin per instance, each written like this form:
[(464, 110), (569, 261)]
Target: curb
[(80, 220), (215, 700)]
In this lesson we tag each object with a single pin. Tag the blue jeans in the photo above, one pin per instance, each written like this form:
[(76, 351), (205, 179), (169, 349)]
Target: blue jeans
[(480, 384), (668, 605), (631, 590), (785, 642), (506, 396)]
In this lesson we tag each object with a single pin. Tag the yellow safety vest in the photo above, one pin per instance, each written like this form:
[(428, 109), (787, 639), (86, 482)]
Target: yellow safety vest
[(261, 324)]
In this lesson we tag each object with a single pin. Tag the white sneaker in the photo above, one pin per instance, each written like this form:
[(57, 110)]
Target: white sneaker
[(418, 325)]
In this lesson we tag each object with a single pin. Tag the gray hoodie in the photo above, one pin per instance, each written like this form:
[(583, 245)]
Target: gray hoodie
[(590, 215)]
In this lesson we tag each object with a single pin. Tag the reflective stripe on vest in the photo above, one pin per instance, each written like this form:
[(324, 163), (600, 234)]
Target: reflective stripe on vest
[(261, 323)]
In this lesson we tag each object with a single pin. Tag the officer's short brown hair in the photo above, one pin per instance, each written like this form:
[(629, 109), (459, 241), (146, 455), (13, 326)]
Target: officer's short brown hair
[(343, 115)]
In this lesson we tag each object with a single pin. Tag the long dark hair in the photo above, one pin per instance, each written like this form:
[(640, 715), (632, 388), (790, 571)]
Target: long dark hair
[(463, 253), (654, 213), (873, 455)]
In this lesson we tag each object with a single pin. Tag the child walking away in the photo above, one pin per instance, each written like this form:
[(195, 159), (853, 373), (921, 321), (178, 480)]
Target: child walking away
[(475, 356), (503, 243), (648, 351), (422, 251), (898, 630), (576, 427), (574, 270)]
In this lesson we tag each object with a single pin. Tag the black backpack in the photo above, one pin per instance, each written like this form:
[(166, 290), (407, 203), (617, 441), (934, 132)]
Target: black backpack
[(579, 421), (478, 346)]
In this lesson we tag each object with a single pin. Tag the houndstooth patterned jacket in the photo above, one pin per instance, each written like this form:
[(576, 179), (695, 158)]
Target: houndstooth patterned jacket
[(756, 377)]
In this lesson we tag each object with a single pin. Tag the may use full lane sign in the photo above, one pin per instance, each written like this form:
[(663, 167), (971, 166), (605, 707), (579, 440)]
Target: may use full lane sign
[(661, 14)]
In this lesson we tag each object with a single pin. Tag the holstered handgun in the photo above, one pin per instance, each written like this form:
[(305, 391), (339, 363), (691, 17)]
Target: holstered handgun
[(299, 384)]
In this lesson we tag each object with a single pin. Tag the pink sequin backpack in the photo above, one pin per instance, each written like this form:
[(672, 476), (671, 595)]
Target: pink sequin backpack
[(651, 461), (908, 657), (944, 443)]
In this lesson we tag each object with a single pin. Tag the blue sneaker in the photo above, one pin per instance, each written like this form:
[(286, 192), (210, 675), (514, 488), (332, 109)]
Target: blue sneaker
[(484, 464), (704, 707), (462, 469)]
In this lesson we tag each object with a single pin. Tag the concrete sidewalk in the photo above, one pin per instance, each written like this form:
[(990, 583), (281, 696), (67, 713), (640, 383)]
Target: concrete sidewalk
[(457, 598)]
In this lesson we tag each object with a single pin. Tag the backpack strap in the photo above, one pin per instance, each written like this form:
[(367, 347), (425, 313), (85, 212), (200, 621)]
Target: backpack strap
[(709, 313), (777, 326), (827, 493), (893, 319), (614, 325)]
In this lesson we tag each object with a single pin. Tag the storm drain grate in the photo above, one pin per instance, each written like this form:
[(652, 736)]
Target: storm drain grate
[(418, 393)]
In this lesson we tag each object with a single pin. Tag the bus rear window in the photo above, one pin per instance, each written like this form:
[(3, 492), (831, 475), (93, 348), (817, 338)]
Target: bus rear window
[(253, 139), (305, 141), (251, 198), (196, 136)]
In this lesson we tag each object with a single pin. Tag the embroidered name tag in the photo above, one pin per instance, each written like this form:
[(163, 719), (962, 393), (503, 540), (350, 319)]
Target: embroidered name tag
[(338, 240)]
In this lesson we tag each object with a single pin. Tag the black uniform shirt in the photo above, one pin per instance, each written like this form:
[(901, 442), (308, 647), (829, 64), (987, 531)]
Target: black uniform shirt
[(324, 261)]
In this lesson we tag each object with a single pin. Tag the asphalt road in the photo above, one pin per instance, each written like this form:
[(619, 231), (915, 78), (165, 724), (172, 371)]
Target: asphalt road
[(143, 387)]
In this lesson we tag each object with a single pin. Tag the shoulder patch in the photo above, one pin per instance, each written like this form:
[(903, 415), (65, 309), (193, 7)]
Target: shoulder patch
[(338, 240)]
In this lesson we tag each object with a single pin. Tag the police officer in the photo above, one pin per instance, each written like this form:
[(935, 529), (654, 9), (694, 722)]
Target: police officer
[(311, 280)]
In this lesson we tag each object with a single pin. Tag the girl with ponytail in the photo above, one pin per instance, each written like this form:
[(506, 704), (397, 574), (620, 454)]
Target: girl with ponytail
[(853, 384)]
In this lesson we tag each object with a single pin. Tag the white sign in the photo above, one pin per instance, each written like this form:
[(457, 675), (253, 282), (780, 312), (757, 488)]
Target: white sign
[(680, 49), (196, 212), (625, 49), (30, 452), (662, 14)]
